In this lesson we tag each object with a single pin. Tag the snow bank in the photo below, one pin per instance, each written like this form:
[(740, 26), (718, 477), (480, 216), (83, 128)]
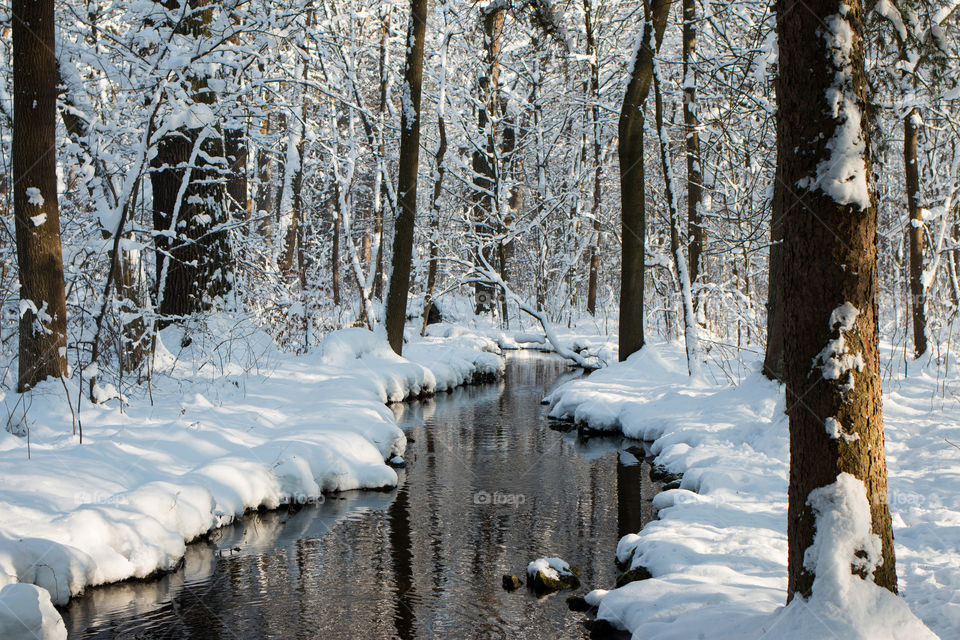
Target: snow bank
[(718, 552), (26, 613), (217, 441)]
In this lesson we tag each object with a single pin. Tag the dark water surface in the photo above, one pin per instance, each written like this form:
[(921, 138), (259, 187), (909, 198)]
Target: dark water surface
[(488, 487)]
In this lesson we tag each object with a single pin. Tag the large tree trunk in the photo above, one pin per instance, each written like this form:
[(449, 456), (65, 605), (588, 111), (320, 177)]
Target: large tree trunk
[(632, 188), (915, 232), (830, 270), (773, 356), (396, 311), (43, 309), (189, 203)]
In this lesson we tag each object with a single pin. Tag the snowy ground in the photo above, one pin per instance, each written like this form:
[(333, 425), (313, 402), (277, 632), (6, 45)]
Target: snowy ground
[(718, 551), (224, 433)]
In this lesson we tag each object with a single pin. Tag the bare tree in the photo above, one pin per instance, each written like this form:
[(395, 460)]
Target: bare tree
[(632, 186), (396, 307)]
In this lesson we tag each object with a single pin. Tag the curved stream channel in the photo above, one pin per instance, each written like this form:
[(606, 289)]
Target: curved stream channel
[(488, 486)]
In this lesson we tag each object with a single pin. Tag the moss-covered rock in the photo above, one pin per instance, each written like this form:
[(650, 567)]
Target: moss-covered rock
[(545, 575), (511, 582), (578, 603), (659, 473), (637, 573), (602, 630)]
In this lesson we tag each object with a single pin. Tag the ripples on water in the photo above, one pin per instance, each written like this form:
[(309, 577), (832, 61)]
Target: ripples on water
[(488, 487)]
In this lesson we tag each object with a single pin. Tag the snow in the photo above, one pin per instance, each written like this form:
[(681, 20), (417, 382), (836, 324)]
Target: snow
[(842, 175), (38, 219), (551, 568), (889, 11), (34, 197), (842, 603), (835, 359), (266, 429), (27, 613), (718, 550)]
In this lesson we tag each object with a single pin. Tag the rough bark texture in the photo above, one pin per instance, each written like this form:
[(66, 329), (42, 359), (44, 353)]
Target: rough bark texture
[(42, 350), (773, 356), (396, 307), (632, 188), (235, 148), (829, 266), (694, 177), (915, 232), (193, 258)]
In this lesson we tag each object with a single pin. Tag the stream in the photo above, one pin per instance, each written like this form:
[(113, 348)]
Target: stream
[(489, 485)]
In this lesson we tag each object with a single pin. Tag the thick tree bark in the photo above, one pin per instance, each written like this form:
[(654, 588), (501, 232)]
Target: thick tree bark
[(43, 312), (189, 203), (915, 232), (773, 356), (830, 270), (235, 149), (396, 306), (632, 187), (691, 124)]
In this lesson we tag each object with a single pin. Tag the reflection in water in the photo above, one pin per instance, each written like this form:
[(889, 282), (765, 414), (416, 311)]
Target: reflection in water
[(488, 487)]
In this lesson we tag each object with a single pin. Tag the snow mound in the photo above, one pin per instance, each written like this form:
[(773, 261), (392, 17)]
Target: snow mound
[(842, 604), (34, 617)]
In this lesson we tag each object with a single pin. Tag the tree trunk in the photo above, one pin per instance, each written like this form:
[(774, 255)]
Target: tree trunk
[(335, 249), (435, 221), (915, 232), (773, 356), (830, 269), (690, 333), (193, 256), (632, 188), (43, 309), (235, 149), (485, 178), (594, 255), (396, 306), (694, 176)]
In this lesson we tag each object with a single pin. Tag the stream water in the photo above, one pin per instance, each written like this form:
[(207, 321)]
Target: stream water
[(489, 485)]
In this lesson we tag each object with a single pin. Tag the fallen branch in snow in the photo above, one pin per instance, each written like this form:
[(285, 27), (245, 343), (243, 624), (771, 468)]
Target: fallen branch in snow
[(486, 275)]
